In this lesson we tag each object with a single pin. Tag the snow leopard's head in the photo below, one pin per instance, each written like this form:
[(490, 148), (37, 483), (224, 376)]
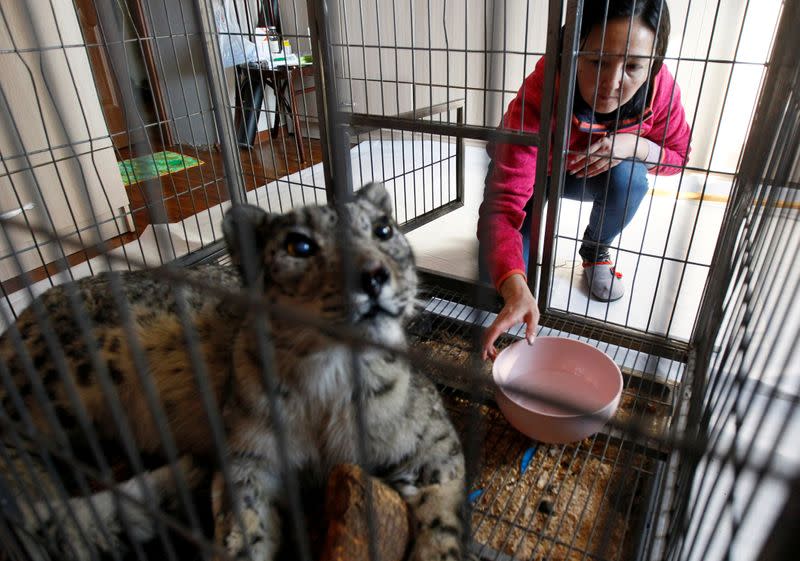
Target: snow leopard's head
[(363, 274)]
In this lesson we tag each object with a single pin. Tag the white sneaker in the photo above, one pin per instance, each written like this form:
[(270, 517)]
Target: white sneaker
[(605, 283)]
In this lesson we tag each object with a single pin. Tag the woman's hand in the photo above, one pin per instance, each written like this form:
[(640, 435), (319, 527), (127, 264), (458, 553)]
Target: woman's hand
[(519, 306), (600, 157)]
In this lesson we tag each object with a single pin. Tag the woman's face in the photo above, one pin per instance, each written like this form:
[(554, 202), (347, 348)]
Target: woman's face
[(620, 76)]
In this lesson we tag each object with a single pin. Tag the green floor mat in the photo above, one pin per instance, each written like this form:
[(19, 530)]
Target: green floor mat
[(147, 167)]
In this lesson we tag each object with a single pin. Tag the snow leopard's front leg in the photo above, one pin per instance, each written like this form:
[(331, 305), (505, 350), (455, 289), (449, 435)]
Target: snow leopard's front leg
[(439, 526), (435, 491), (257, 528)]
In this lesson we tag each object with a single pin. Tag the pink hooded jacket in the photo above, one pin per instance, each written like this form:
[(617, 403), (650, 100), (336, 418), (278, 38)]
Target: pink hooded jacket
[(510, 185)]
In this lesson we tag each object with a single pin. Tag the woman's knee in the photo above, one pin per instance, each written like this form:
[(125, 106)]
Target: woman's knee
[(628, 181)]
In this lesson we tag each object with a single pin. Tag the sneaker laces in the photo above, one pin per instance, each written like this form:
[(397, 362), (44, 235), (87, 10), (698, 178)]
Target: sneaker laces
[(616, 273)]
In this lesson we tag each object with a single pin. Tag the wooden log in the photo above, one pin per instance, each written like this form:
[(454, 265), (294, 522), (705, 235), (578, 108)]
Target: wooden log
[(346, 505)]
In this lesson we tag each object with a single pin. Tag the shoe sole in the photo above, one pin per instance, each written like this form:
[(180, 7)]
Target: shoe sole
[(593, 297)]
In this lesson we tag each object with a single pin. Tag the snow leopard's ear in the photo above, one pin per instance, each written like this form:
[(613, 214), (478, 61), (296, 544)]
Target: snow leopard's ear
[(377, 194), (245, 229)]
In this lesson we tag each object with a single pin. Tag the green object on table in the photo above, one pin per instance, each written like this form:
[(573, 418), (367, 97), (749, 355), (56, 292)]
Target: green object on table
[(306, 59), (147, 167)]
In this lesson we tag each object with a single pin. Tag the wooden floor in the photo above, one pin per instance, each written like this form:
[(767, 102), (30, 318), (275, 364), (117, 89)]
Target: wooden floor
[(190, 191), (193, 190)]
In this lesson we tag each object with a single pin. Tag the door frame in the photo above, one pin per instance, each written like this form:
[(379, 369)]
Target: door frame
[(108, 77), (102, 71), (143, 29)]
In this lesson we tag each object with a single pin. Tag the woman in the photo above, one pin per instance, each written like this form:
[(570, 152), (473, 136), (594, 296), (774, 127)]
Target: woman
[(627, 121)]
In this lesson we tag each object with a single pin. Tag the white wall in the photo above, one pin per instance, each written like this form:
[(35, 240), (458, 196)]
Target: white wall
[(56, 152), (419, 54), (715, 30)]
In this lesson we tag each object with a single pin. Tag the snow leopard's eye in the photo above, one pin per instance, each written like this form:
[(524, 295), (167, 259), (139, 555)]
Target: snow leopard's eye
[(383, 228), (300, 245)]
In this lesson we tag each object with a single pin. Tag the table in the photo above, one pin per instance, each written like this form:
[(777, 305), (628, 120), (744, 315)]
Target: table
[(284, 81)]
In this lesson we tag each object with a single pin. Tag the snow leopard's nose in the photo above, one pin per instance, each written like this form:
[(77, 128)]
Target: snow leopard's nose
[(372, 280)]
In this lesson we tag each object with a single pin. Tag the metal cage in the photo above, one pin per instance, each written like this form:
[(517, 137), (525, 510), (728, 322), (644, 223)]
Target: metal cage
[(131, 126)]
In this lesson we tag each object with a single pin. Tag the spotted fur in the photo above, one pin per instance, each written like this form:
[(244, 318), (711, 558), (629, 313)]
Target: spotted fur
[(294, 262)]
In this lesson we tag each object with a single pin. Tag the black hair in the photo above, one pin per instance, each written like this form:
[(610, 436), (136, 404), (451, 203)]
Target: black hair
[(655, 15)]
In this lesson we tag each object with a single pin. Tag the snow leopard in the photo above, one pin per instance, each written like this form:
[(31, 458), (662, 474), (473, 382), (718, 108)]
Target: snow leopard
[(295, 397)]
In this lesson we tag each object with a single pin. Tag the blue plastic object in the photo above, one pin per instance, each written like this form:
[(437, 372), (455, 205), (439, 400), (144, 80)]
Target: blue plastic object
[(475, 495), (526, 458)]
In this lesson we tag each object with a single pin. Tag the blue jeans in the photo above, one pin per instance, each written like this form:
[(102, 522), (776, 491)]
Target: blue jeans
[(611, 211)]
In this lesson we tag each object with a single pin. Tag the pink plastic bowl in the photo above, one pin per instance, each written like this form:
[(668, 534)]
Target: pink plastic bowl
[(563, 370)]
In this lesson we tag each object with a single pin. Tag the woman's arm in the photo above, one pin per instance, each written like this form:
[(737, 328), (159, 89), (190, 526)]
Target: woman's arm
[(609, 151), (670, 130), (509, 185)]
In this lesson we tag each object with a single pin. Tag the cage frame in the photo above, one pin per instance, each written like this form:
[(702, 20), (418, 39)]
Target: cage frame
[(338, 125)]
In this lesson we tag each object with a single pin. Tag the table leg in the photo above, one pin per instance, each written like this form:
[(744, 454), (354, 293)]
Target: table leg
[(280, 102), (251, 96), (296, 119)]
